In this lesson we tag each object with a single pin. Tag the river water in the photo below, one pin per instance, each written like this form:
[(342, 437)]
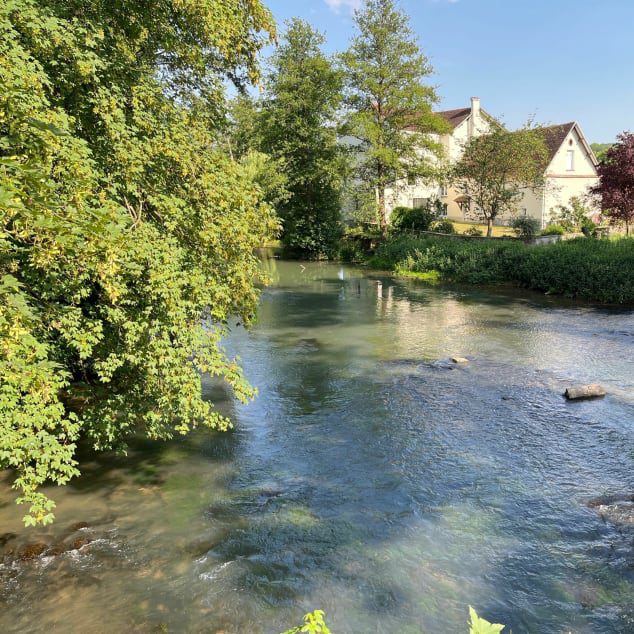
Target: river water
[(372, 478)]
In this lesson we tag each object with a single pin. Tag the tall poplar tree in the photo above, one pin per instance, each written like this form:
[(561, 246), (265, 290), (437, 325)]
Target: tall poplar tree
[(390, 108), (302, 98)]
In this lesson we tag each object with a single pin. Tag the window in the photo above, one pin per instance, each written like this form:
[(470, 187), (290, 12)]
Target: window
[(465, 205), (443, 191), (570, 160), (524, 212), (419, 202), (443, 209), (411, 180)]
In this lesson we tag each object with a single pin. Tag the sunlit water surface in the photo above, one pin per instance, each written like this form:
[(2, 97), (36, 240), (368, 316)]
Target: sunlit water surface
[(371, 478)]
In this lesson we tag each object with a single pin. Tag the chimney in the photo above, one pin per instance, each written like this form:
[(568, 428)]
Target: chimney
[(475, 115)]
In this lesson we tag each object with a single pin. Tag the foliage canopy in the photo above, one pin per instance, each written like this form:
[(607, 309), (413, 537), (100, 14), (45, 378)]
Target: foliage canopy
[(616, 185), (496, 168), (297, 128), (127, 238), (390, 106)]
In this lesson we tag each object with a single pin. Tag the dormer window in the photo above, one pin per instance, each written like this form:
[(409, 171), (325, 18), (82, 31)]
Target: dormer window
[(570, 160)]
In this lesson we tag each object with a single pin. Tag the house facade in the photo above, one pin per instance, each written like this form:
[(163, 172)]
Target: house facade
[(464, 123), (571, 169)]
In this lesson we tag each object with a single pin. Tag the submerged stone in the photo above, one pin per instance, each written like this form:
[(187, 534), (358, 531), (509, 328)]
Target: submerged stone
[(616, 509), (31, 551), (5, 538)]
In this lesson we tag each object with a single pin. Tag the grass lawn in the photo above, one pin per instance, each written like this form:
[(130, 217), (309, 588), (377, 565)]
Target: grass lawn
[(462, 227)]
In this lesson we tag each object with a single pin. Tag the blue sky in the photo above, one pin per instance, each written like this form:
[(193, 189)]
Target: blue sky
[(559, 60)]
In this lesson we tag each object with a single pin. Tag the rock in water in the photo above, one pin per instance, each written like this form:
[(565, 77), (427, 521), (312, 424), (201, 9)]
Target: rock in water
[(577, 392), (459, 360)]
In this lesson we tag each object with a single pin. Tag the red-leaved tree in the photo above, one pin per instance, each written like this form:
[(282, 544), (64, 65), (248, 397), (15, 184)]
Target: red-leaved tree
[(616, 187)]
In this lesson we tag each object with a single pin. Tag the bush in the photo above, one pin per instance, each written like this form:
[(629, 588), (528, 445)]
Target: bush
[(443, 226), (351, 250), (572, 217), (553, 230), (412, 219), (474, 231), (588, 227), (596, 270), (525, 226)]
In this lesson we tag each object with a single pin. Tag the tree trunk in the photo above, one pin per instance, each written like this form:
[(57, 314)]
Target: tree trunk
[(489, 227), (382, 210)]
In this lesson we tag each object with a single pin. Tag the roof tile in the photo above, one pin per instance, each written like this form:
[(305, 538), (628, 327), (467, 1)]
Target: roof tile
[(455, 117)]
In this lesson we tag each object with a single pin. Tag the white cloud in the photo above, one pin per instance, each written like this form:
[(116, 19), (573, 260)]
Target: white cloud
[(338, 5)]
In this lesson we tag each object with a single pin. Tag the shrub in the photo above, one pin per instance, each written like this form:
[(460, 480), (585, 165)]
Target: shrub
[(588, 227), (573, 216), (351, 250), (553, 230), (525, 226), (443, 226), (412, 219), (596, 270), (474, 231)]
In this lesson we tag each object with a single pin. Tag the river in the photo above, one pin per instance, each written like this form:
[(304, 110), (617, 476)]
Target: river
[(372, 478)]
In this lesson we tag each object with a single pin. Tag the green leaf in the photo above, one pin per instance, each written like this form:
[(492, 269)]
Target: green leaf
[(478, 625)]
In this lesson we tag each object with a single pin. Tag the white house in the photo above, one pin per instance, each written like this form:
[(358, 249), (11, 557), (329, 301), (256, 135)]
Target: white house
[(464, 123), (570, 171)]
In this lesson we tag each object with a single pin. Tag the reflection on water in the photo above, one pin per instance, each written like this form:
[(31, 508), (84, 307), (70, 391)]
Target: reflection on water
[(371, 478)]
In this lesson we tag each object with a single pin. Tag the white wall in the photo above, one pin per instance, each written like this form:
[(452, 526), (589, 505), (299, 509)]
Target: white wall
[(564, 183), (453, 143)]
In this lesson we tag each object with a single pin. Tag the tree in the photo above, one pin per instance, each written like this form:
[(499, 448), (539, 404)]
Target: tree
[(495, 170), (243, 136), (572, 217), (600, 149), (616, 185), (297, 128), (126, 238), (390, 107)]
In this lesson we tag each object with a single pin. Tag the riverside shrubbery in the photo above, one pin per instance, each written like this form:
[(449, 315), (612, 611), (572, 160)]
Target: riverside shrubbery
[(595, 270)]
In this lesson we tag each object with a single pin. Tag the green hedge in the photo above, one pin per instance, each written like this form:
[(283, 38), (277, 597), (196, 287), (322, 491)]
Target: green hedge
[(595, 270)]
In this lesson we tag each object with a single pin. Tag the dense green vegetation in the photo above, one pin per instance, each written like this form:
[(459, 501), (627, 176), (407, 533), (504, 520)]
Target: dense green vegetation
[(389, 105), (495, 169), (412, 218), (600, 149), (293, 125), (595, 270), (573, 217), (616, 181), (127, 238)]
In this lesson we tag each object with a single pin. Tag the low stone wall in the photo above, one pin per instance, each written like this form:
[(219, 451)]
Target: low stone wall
[(461, 236)]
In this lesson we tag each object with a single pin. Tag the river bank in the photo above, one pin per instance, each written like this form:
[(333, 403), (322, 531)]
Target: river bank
[(597, 271)]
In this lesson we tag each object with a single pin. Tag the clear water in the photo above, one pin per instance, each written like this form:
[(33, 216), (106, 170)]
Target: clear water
[(371, 478)]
